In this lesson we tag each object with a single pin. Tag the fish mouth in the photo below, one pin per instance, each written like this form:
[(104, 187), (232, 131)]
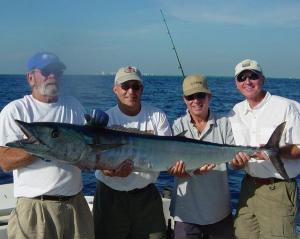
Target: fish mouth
[(31, 139)]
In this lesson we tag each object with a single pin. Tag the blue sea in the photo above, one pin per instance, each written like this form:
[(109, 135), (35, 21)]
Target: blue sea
[(165, 92)]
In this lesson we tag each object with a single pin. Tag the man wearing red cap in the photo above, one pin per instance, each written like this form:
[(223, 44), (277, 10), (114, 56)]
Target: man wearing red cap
[(49, 199)]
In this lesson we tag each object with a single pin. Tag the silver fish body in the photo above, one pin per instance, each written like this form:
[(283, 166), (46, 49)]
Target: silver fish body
[(99, 147)]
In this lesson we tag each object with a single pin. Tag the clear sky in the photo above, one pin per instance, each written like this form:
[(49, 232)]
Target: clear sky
[(211, 36)]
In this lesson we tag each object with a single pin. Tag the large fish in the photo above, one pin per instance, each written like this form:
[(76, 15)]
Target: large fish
[(100, 147)]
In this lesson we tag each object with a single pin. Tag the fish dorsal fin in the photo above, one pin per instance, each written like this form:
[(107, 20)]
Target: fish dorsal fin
[(274, 140), (182, 134), (128, 130), (104, 147)]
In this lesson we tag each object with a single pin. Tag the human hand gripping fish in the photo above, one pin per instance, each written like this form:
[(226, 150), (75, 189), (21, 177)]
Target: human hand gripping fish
[(123, 170), (179, 170), (241, 159)]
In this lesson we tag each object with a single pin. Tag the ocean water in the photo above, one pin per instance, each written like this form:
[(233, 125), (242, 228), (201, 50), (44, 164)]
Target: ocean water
[(165, 92)]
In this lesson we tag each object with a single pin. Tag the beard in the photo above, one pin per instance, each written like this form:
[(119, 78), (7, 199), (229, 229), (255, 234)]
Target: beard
[(49, 89)]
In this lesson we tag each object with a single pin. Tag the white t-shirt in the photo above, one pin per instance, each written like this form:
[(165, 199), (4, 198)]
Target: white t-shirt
[(149, 119), (253, 127), (42, 177)]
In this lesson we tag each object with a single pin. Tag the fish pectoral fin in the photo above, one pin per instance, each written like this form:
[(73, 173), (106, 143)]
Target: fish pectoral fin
[(103, 147), (129, 130)]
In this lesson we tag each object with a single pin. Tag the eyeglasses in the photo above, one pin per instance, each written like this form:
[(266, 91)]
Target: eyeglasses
[(46, 72), (133, 86), (198, 96), (251, 76)]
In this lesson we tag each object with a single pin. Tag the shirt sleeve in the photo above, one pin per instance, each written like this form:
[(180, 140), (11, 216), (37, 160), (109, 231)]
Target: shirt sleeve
[(177, 127), (293, 126), (225, 130), (229, 134), (163, 127), (9, 131), (78, 111)]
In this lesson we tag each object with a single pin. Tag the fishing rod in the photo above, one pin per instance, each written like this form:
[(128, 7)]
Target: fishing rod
[(174, 48)]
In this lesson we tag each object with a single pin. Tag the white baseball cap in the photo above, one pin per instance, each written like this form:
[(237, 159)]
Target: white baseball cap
[(128, 73), (247, 64)]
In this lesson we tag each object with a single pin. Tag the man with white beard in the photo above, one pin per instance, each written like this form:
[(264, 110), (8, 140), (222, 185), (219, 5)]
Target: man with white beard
[(50, 203)]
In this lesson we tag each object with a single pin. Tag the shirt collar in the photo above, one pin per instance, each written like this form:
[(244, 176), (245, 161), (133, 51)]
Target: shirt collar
[(210, 121), (247, 108)]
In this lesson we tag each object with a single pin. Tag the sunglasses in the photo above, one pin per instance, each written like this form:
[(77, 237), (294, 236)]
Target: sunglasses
[(133, 86), (198, 96), (46, 72), (251, 76)]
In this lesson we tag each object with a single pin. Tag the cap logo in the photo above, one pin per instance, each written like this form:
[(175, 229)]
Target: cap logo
[(196, 83), (130, 69), (246, 64)]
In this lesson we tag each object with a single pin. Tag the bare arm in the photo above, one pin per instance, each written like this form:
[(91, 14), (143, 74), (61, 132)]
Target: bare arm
[(13, 158), (290, 151)]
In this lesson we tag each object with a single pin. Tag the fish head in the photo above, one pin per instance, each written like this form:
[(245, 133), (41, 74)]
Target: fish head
[(52, 140)]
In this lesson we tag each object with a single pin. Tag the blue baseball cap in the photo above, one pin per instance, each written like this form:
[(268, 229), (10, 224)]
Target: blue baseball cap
[(43, 59)]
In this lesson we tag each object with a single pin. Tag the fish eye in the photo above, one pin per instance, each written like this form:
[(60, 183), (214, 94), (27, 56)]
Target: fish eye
[(54, 133)]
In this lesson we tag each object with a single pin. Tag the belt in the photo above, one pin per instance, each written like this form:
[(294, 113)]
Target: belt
[(59, 198), (266, 181), (141, 190)]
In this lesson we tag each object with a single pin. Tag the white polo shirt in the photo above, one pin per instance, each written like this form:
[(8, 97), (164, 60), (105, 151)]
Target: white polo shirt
[(253, 127)]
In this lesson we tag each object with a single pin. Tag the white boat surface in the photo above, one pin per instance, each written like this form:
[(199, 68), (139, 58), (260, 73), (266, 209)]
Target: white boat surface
[(7, 204)]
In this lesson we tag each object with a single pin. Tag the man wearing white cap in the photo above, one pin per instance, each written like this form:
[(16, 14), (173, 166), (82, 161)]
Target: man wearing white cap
[(50, 203), (200, 201), (268, 203), (127, 204)]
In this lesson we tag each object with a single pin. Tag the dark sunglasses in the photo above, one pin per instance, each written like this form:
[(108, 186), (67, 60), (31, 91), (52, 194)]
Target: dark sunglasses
[(46, 72), (133, 86), (199, 96), (251, 76)]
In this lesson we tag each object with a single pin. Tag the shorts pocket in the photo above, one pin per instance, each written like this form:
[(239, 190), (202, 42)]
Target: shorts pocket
[(283, 223)]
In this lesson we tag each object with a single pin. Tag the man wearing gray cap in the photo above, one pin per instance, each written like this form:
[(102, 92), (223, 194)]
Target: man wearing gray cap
[(50, 203), (267, 203), (127, 204), (200, 201)]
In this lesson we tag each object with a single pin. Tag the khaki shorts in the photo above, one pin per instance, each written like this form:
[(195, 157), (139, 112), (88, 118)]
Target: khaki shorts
[(266, 211), (43, 219)]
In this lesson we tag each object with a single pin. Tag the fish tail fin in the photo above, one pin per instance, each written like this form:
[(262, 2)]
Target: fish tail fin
[(273, 145)]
